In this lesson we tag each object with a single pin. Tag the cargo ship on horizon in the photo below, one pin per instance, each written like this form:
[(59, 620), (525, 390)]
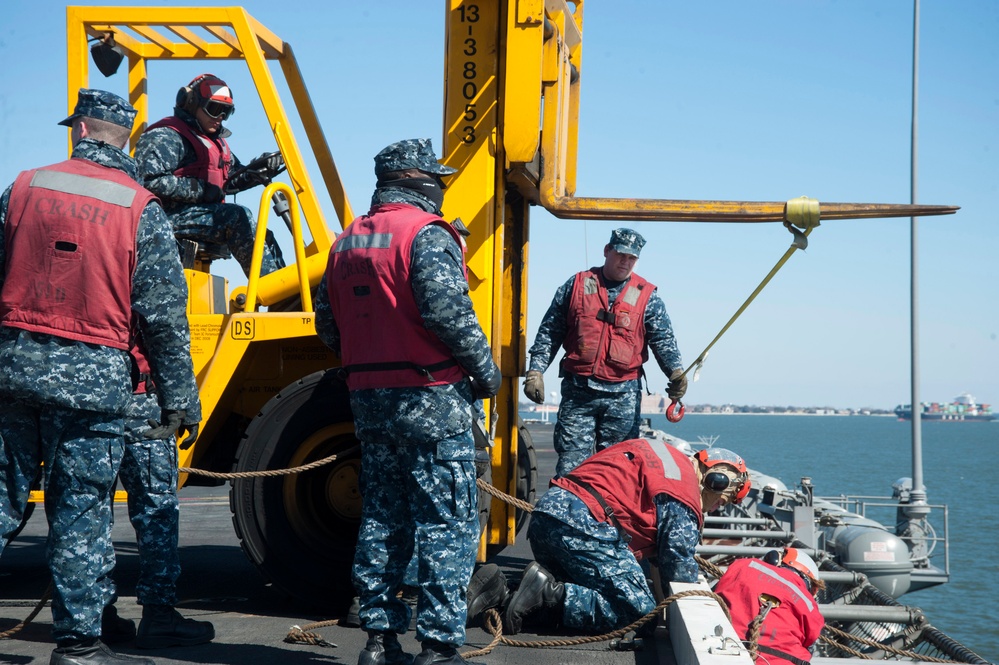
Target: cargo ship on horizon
[(962, 407)]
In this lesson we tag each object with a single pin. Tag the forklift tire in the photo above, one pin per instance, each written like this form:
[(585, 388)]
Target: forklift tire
[(300, 530), (527, 486)]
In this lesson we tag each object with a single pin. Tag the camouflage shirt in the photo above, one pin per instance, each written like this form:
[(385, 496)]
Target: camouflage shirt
[(677, 534), (46, 369), (441, 294), (554, 327), (162, 151)]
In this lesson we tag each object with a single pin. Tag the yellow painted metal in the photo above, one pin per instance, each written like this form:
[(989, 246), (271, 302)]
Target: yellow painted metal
[(223, 346), (471, 116), (163, 33), (38, 496), (521, 73), (304, 289)]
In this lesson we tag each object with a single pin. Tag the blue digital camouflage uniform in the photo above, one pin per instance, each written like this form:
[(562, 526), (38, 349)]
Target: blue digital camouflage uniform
[(594, 414), (605, 586), (61, 403), (227, 226), (149, 475), (418, 455)]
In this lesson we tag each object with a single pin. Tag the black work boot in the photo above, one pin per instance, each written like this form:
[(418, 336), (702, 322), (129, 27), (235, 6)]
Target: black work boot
[(383, 649), (116, 629), (539, 594), (93, 652), (162, 626), (487, 589), (438, 654)]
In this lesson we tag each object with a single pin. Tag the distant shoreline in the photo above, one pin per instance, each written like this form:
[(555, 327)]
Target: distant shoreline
[(783, 413), (739, 413)]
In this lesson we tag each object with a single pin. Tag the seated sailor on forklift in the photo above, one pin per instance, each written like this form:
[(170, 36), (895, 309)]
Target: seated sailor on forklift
[(185, 160), (590, 532), (607, 318), (781, 587)]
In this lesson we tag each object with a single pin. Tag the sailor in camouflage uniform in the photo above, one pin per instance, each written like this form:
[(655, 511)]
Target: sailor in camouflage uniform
[(149, 475), (636, 500), (185, 160), (607, 318), (394, 303), (86, 254)]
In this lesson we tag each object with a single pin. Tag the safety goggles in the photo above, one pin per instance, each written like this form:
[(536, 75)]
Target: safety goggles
[(719, 482), (218, 110)]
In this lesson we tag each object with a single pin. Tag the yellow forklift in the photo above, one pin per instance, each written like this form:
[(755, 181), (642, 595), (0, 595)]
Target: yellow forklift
[(269, 399)]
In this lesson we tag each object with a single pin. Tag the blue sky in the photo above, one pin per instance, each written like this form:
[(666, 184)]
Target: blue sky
[(764, 101)]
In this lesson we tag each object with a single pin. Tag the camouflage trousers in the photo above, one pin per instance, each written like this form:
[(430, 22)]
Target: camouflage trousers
[(418, 495), (591, 420), (605, 586), (149, 475), (81, 451), (229, 226)]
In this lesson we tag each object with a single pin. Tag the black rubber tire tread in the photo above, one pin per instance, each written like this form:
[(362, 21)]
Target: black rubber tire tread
[(285, 524), (527, 485)]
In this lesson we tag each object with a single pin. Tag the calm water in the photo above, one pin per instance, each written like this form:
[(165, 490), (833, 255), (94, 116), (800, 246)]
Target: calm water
[(865, 455)]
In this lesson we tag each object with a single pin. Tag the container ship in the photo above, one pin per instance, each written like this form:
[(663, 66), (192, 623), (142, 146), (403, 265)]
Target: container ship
[(962, 407)]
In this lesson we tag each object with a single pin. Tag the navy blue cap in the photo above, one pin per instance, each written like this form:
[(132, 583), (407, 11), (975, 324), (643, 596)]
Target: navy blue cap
[(410, 154), (102, 105), (627, 241)]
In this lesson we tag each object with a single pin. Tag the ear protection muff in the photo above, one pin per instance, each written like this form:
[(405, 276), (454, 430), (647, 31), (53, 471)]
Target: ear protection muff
[(188, 97), (185, 97), (719, 481)]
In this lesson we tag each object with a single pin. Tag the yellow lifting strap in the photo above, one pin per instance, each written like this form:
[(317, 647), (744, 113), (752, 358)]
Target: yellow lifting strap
[(801, 212)]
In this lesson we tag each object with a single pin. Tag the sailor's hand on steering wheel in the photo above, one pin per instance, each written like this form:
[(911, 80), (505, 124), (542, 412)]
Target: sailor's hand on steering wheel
[(259, 171)]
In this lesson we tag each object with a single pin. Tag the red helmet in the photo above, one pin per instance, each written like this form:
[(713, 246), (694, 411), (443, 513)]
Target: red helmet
[(207, 92), (718, 481)]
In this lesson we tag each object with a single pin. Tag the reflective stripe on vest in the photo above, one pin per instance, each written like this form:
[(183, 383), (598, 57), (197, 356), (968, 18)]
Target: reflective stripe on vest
[(767, 570), (70, 244), (81, 185), (602, 340), (629, 475), (383, 340)]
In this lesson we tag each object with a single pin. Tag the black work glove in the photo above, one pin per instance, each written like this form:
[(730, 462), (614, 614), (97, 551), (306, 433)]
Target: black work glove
[(677, 385), (534, 386), (274, 164), (173, 422), (211, 193), (486, 389), (243, 180)]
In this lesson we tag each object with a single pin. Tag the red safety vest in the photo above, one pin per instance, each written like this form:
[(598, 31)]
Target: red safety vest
[(383, 341), (144, 380), (213, 155), (70, 239), (628, 476), (791, 627), (604, 342)]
